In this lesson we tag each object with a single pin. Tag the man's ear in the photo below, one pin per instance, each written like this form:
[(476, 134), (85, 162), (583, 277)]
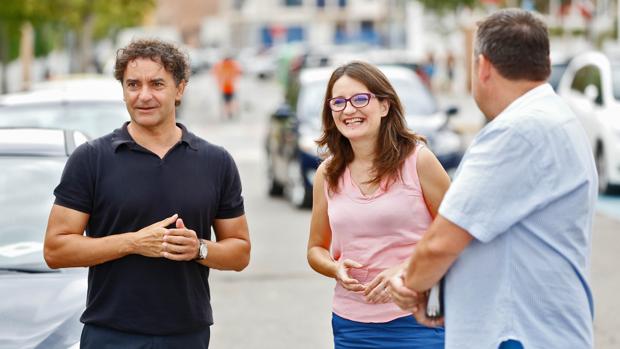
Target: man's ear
[(484, 68), (180, 90)]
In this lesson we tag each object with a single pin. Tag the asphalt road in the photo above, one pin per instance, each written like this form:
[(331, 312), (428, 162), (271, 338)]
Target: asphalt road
[(278, 302)]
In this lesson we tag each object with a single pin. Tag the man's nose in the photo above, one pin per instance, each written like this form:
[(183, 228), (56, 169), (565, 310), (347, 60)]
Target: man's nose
[(145, 93)]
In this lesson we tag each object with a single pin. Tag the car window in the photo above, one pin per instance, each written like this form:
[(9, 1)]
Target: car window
[(586, 76), (414, 96), (615, 80), (557, 70), (94, 119), (27, 184)]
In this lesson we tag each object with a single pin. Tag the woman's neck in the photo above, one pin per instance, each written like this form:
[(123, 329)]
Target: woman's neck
[(364, 151)]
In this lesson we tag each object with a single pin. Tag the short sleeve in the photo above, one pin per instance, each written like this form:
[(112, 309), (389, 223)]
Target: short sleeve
[(76, 187), (501, 181), (231, 201)]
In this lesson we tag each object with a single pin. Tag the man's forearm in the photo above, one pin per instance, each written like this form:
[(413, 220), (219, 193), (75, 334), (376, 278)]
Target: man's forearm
[(424, 270), (73, 250), (435, 253), (227, 254)]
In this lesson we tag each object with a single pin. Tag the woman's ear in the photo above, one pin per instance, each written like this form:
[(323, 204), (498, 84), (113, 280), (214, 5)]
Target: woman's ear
[(385, 107)]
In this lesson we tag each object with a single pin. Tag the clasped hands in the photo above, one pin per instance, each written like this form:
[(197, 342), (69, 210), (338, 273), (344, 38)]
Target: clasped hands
[(375, 292), (179, 243), (388, 286)]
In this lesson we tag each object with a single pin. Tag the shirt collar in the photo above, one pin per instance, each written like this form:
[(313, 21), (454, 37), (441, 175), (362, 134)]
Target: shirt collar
[(121, 136), (526, 98)]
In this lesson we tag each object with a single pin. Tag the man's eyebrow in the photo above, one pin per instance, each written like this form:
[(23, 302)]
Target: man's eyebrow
[(157, 80), (131, 80)]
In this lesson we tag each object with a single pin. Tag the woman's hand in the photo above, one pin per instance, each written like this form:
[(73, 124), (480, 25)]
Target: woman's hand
[(343, 278), (376, 291)]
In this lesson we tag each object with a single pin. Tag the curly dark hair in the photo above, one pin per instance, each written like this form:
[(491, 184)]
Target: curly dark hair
[(516, 42), (171, 57), (395, 141)]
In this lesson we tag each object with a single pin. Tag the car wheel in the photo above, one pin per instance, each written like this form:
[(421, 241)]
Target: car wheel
[(296, 191), (601, 169), (275, 188)]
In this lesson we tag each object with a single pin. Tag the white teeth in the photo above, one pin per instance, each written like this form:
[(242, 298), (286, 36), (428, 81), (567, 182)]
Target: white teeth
[(352, 121)]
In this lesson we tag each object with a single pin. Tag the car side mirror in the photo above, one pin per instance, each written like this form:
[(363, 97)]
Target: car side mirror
[(283, 113), (451, 111), (592, 94)]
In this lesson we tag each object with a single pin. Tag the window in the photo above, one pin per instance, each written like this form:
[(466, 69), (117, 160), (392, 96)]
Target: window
[(615, 80), (293, 2), (586, 76)]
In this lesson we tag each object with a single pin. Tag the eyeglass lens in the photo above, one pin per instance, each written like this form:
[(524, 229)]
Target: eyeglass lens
[(358, 101)]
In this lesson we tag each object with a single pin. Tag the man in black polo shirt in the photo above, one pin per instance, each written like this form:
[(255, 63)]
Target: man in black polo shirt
[(147, 196)]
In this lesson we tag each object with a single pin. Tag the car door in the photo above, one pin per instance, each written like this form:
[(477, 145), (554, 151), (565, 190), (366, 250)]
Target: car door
[(586, 99)]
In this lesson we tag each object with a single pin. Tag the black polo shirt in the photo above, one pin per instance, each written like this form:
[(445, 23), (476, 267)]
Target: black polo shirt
[(125, 187)]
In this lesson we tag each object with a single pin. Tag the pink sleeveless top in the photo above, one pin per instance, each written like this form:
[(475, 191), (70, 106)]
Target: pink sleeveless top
[(378, 231)]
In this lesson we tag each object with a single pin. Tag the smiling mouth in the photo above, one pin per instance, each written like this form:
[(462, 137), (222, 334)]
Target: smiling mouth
[(353, 121), (145, 108)]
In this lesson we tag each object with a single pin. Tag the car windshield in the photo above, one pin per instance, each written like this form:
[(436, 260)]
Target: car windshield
[(557, 70), (27, 185), (94, 118), (416, 99), (615, 80)]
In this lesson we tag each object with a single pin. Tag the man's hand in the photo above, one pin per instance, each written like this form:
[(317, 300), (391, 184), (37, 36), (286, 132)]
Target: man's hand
[(343, 278), (376, 291), (148, 240), (412, 301), (180, 244)]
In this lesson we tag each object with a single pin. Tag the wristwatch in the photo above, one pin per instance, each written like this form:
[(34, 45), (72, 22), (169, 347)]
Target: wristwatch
[(203, 251)]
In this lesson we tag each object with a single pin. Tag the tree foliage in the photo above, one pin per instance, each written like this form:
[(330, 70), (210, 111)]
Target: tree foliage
[(447, 5), (53, 19)]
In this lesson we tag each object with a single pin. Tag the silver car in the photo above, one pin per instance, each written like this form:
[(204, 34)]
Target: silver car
[(39, 307), (94, 106)]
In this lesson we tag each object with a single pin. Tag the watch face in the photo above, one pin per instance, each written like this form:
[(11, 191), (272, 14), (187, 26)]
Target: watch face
[(203, 251)]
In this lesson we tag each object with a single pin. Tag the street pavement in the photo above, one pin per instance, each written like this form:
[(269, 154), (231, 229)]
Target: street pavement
[(278, 301)]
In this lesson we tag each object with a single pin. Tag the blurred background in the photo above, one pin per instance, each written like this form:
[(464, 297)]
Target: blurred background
[(56, 63)]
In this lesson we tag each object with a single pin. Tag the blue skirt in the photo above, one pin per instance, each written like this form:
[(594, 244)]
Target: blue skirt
[(401, 333)]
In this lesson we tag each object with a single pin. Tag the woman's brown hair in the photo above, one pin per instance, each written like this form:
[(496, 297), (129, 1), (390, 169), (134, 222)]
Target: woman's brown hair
[(394, 143)]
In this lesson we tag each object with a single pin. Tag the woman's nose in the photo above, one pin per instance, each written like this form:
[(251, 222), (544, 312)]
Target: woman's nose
[(349, 108)]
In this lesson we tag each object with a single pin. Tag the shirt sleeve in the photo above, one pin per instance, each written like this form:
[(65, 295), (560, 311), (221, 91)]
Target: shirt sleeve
[(501, 181), (231, 201), (76, 187)]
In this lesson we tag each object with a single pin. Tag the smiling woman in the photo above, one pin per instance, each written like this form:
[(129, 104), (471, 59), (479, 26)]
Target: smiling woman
[(374, 197)]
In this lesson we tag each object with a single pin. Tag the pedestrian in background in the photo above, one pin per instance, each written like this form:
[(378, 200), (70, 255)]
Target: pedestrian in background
[(514, 230), (450, 67), (374, 198), (227, 71), (148, 195)]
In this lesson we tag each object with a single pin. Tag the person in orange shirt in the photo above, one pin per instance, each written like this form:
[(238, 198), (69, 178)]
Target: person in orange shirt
[(226, 72)]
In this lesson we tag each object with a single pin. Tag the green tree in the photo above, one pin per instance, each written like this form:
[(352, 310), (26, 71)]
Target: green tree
[(447, 5), (53, 20), (95, 19)]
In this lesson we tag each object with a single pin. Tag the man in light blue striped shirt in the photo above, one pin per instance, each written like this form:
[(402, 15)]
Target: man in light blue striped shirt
[(514, 230)]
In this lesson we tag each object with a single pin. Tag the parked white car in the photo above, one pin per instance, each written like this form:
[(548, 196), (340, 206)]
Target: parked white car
[(91, 105), (591, 86)]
